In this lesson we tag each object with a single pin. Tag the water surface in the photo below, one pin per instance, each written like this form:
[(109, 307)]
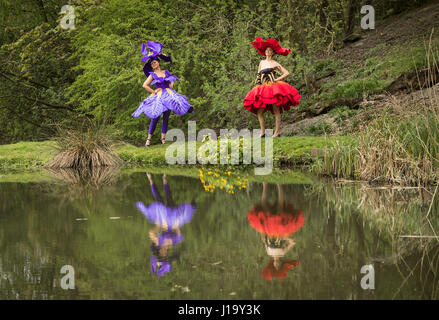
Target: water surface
[(260, 241)]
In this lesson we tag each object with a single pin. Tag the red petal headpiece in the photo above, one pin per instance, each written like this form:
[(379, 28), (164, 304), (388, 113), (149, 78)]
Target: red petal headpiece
[(270, 271), (261, 45)]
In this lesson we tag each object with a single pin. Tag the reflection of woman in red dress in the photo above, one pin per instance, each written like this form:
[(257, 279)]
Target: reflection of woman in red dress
[(276, 223), (271, 93)]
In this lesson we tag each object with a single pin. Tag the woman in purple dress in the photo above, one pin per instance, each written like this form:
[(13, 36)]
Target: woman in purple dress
[(168, 218), (164, 98)]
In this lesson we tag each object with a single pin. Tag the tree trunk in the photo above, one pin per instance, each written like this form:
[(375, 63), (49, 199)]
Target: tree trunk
[(43, 10), (324, 20), (352, 9)]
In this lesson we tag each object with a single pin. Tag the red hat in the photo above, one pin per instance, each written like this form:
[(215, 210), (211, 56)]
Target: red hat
[(270, 271), (261, 45)]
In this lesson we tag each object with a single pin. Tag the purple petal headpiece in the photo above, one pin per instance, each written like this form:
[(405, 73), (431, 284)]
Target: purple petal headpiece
[(159, 268), (154, 53)]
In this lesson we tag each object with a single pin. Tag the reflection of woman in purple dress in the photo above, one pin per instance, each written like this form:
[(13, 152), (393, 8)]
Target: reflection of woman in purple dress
[(164, 99), (168, 218)]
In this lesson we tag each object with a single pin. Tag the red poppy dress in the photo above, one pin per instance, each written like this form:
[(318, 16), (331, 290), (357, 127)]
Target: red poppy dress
[(267, 93)]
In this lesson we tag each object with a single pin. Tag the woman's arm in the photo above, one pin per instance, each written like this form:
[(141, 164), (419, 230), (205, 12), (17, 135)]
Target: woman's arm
[(258, 77), (284, 71), (291, 243), (171, 85), (147, 83)]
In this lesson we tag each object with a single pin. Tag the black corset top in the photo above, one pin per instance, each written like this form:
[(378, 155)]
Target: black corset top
[(267, 70), (265, 76)]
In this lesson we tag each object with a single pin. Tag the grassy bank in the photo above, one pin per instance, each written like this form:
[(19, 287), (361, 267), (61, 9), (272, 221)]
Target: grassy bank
[(286, 150)]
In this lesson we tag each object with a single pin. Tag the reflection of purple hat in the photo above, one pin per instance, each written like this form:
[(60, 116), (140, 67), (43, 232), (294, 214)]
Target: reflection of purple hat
[(161, 267), (154, 53)]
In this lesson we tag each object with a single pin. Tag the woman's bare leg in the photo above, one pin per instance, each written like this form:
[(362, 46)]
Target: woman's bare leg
[(261, 120), (264, 194), (277, 116), (280, 198)]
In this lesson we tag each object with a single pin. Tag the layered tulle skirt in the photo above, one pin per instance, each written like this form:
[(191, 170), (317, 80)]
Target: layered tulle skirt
[(164, 100), (264, 96)]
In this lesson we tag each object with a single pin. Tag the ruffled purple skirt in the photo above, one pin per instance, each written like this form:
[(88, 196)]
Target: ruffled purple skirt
[(167, 217), (164, 100)]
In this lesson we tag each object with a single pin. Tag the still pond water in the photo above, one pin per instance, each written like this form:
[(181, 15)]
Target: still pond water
[(155, 236)]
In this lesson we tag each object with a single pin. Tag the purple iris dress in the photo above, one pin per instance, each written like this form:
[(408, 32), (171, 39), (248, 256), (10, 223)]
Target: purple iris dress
[(164, 100), (167, 217)]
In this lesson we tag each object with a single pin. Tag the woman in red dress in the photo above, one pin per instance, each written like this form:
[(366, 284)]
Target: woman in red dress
[(276, 223), (271, 93)]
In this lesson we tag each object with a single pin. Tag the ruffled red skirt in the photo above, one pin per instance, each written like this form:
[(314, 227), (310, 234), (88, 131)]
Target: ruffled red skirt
[(264, 96), (283, 224)]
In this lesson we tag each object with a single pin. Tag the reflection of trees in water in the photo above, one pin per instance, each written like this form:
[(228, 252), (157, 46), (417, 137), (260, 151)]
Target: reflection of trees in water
[(29, 269), (404, 219), (39, 232)]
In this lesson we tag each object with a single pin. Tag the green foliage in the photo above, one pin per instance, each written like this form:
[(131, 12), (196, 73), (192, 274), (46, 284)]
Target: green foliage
[(319, 128), (53, 75), (327, 65), (356, 88), (342, 113)]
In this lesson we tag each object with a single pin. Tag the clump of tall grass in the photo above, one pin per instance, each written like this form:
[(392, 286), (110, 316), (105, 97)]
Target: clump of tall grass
[(87, 177), (340, 160), (87, 145), (401, 149)]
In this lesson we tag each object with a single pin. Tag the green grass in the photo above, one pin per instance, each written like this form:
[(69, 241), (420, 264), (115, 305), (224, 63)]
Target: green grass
[(378, 71), (28, 155), (279, 176), (355, 88), (404, 58)]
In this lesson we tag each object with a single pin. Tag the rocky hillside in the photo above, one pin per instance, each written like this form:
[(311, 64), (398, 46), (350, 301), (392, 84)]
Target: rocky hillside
[(385, 68)]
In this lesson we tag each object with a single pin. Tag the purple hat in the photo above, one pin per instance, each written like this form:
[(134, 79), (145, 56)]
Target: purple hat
[(154, 53), (160, 267)]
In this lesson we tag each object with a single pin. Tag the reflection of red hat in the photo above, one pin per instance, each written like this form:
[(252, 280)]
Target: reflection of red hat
[(261, 45), (270, 271), (282, 224)]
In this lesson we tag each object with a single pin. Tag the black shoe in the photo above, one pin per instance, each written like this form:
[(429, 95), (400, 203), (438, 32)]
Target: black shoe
[(263, 136)]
